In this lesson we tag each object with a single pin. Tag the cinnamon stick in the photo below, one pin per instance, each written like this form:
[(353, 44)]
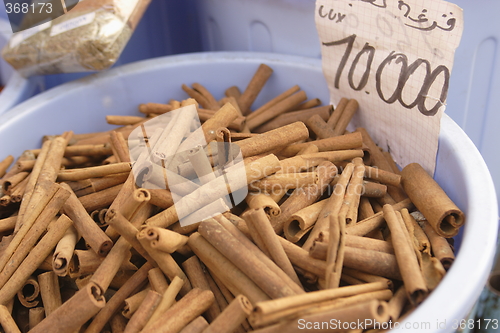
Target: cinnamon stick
[(50, 190), (430, 199), (165, 262), (371, 311), (337, 112), (233, 91), (64, 251), (117, 299), (256, 119), (140, 318), (273, 139), (332, 207), (6, 320), (319, 127), (17, 192), (29, 293), (251, 247), (86, 227), (196, 326), (264, 201), (36, 315), (232, 317), (235, 280), (212, 102), (358, 242), (303, 197), (221, 239), (86, 262), (253, 88), (31, 236), (409, 267), (336, 250), (123, 120), (369, 224), (168, 299), (94, 172), (119, 146), (156, 108), (285, 181), (34, 258), (294, 116), (101, 199), (373, 262), (349, 111), (275, 100), (133, 302), (8, 223), (299, 223), (194, 271), (440, 247), (50, 292), (260, 221), (183, 312), (309, 104), (10, 182), (5, 164), (32, 182), (157, 280), (75, 312), (215, 189), (319, 307)]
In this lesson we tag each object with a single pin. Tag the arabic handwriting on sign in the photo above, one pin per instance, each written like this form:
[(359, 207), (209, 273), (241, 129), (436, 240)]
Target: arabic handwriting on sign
[(422, 19), (377, 3), (331, 14)]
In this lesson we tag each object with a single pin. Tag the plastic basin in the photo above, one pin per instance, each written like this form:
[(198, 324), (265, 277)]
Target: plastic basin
[(82, 105)]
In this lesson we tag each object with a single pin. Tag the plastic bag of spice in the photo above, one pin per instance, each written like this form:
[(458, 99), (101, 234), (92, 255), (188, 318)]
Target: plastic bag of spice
[(90, 37)]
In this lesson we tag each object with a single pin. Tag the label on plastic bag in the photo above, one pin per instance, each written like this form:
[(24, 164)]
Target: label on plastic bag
[(395, 58), (18, 37), (73, 23)]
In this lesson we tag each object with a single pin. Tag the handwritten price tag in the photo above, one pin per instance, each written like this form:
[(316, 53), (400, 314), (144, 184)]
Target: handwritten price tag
[(395, 58)]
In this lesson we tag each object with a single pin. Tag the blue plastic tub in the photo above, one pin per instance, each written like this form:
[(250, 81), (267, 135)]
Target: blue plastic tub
[(82, 106)]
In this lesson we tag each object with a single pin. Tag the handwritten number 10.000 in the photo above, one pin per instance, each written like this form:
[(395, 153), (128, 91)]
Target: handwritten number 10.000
[(406, 72)]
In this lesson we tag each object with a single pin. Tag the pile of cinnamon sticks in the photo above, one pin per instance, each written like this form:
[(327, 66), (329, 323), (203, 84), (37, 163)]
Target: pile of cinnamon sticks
[(331, 235)]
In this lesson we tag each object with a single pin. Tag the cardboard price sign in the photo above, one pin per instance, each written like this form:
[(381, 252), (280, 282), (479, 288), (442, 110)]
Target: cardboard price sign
[(395, 58)]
